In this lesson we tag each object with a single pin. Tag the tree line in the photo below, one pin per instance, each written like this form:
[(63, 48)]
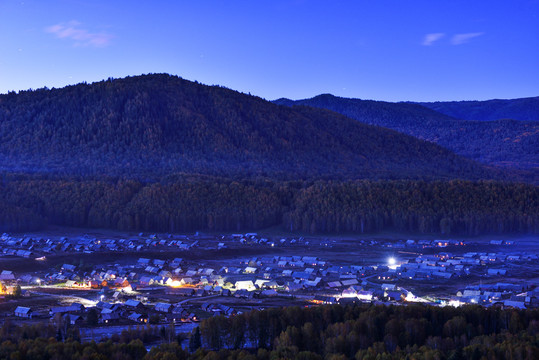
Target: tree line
[(331, 332), (374, 332), (191, 203)]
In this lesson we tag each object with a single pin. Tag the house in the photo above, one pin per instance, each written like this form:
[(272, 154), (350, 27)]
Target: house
[(138, 318), (227, 310), (394, 295), (165, 274), (134, 304), (163, 307), (365, 295), (290, 287), (184, 291), (314, 282), (109, 317), (244, 294), (74, 308), (309, 260), (388, 286), (121, 283), (186, 281), (349, 282), (143, 262), (146, 281), (334, 284), (68, 267), (71, 283), (469, 292), (250, 270), (176, 262), (7, 275), (23, 312), (159, 263), (515, 304), (207, 272), (496, 271), (244, 285), (260, 283), (269, 293), (349, 292), (180, 313), (323, 299), (207, 306), (348, 300)]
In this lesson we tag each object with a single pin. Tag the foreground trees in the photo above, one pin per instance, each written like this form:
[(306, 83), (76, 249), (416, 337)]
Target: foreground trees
[(326, 332), (362, 331)]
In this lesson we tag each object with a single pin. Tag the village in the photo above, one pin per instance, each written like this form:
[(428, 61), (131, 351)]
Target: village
[(113, 282)]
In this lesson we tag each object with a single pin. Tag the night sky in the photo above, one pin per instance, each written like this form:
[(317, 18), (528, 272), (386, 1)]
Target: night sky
[(386, 50)]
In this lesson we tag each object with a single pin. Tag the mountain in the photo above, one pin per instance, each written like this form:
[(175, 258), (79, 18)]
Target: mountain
[(159, 153), (516, 109), (153, 125), (509, 143)]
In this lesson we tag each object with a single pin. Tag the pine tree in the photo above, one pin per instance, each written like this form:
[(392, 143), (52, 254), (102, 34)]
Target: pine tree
[(194, 340)]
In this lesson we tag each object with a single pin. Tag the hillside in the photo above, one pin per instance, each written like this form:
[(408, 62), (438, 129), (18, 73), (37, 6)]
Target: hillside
[(158, 153), (508, 143), (524, 109), (154, 125)]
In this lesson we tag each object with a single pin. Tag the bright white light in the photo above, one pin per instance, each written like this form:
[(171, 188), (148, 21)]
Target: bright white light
[(391, 261)]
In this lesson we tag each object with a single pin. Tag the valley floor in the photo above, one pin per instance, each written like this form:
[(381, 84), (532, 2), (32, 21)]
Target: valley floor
[(130, 280)]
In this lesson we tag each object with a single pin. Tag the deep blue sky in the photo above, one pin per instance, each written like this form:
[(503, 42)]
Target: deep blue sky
[(387, 50)]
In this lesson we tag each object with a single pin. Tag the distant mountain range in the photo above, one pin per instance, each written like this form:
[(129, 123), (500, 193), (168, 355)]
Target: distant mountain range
[(506, 142), (154, 125), (525, 109)]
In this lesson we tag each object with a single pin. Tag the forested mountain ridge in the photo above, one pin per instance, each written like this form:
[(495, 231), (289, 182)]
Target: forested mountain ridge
[(508, 143), (159, 153), (154, 125), (525, 109)]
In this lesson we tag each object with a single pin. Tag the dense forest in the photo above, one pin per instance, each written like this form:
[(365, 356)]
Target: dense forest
[(500, 141), (517, 109), (325, 332), (150, 126), (379, 332), (191, 203), (159, 153)]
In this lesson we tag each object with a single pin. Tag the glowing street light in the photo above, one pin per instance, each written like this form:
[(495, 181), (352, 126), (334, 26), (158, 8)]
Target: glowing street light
[(391, 261)]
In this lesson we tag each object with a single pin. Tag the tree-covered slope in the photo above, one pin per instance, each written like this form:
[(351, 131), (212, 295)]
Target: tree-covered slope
[(185, 203), (517, 109), (154, 125), (508, 143), (160, 153)]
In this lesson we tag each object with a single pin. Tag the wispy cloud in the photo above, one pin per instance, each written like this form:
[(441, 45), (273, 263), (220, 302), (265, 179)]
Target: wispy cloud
[(432, 38), (82, 37), (459, 39)]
